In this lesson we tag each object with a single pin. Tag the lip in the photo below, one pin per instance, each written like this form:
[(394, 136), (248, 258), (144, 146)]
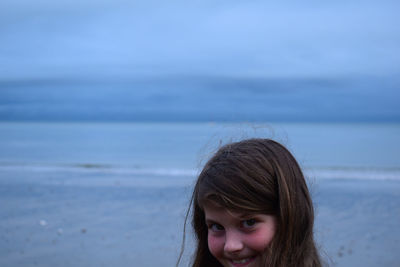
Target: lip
[(251, 259)]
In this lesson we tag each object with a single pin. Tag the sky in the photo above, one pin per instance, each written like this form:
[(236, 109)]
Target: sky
[(253, 42)]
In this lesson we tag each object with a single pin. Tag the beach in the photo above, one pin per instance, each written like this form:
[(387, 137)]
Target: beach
[(91, 209), (85, 223), (356, 222)]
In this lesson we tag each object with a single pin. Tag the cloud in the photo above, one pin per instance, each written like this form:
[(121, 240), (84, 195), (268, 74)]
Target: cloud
[(64, 38)]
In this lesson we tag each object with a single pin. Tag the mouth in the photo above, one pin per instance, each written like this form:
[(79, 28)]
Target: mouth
[(242, 262)]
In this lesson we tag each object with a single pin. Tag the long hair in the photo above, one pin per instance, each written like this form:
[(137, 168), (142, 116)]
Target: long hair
[(258, 176)]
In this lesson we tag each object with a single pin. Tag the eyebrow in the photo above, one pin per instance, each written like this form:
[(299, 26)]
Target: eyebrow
[(210, 221), (241, 216), (246, 216)]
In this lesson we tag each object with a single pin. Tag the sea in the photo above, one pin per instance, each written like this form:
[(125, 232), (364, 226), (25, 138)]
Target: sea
[(116, 194)]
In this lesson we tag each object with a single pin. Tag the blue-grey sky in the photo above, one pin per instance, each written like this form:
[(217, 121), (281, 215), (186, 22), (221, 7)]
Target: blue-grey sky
[(308, 60), (253, 38)]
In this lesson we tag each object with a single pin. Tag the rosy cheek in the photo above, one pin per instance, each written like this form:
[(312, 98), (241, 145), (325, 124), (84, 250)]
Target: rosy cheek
[(259, 240), (216, 245)]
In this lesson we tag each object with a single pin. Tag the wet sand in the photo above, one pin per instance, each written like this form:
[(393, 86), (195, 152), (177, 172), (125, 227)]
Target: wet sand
[(94, 219), (357, 222)]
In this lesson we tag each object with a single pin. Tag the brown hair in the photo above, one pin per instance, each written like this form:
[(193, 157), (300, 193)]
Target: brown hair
[(258, 176)]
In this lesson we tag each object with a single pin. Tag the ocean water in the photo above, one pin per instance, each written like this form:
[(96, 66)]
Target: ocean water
[(104, 194)]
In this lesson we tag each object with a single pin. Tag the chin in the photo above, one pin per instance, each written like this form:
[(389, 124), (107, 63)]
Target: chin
[(253, 261)]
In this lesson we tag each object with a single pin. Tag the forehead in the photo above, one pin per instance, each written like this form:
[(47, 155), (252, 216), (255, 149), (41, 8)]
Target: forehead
[(214, 211), (221, 203)]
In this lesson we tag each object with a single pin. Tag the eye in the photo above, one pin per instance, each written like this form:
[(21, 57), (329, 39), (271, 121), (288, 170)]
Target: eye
[(215, 227), (249, 223)]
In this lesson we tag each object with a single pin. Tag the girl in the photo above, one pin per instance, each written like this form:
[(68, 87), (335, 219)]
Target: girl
[(251, 207)]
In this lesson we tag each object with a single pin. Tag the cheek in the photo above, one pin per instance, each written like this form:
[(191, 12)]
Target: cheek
[(260, 240), (215, 245)]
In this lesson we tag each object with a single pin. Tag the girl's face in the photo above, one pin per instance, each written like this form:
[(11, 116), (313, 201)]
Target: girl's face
[(237, 239)]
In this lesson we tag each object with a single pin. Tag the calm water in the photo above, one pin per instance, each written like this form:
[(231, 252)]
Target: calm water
[(184, 146)]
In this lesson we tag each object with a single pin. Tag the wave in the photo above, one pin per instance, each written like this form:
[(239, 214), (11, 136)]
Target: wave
[(102, 168), (337, 172), (359, 173)]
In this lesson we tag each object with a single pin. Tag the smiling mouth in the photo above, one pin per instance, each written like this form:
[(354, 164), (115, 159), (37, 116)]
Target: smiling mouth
[(242, 262)]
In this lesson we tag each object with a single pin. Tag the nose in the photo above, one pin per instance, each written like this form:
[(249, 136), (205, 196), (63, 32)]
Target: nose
[(233, 242)]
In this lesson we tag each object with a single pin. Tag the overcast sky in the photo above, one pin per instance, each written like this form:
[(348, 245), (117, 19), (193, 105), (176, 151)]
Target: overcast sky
[(47, 39)]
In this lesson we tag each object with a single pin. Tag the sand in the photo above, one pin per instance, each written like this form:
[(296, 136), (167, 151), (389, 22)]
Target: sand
[(96, 219)]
